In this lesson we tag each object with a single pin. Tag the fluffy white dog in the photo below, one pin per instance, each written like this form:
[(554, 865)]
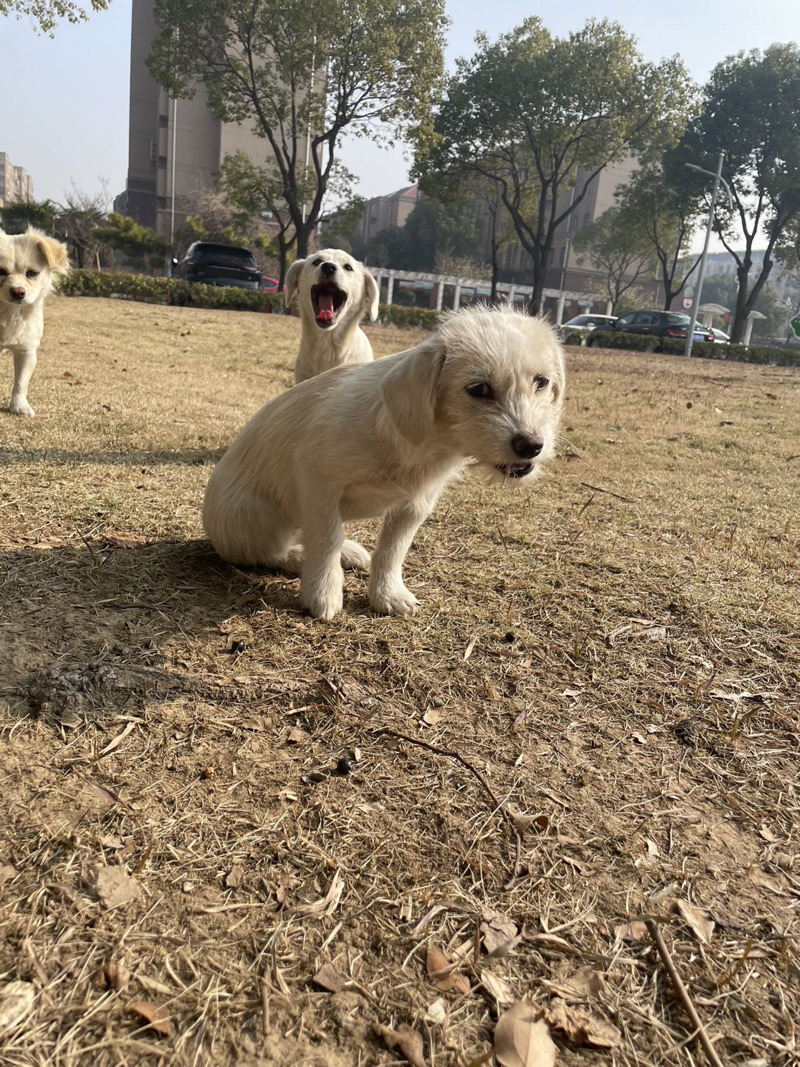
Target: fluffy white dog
[(28, 262), (334, 293), (383, 439)]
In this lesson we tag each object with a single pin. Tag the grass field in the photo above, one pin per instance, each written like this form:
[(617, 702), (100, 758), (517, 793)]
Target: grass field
[(597, 702)]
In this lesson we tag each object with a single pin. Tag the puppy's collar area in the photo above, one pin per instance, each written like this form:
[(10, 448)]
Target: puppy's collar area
[(327, 299)]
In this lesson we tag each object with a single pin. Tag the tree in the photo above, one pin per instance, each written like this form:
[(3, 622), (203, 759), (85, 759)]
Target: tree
[(126, 235), (17, 216), (531, 109), (666, 211), (750, 111), (303, 72), (46, 13), (616, 241), (722, 288), (77, 220)]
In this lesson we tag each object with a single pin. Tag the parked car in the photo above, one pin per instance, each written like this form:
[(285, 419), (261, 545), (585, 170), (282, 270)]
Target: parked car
[(269, 285), (720, 337), (226, 265), (653, 323), (586, 323)]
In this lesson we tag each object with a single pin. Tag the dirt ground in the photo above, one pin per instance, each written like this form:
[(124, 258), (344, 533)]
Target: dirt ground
[(591, 722)]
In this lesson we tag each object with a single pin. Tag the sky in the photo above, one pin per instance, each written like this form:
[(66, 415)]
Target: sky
[(65, 114)]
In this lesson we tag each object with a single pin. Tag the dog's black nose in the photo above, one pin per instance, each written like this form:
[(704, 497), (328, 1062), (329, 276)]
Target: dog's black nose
[(328, 268), (527, 445), (16, 294)]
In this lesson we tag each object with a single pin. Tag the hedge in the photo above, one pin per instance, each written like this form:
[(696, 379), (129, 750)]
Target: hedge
[(781, 357), (637, 342), (166, 291), (573, 337), (408, 317)]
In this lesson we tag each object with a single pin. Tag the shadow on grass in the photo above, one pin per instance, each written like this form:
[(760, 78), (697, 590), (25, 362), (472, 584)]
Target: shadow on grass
[(89, 629), (188, 457)]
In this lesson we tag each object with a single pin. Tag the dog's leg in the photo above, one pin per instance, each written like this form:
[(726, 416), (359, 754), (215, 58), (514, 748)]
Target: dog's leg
[(354, 556), (387, 593), (322, 579), (24, 365)]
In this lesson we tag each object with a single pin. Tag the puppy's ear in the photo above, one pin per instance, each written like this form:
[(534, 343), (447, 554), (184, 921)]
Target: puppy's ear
[(372, 294), (411, 389), (292, 274), (54, 252)]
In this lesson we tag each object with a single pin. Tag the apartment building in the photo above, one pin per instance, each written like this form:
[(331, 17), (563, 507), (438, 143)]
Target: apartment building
[(382, 212), (175, 147), (15, 182)]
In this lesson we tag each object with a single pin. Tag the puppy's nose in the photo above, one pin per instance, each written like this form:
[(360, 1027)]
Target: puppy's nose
[(527, 445), (16, 294), (328, 268)]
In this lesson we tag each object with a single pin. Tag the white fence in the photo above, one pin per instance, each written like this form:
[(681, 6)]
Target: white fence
[(461, 286)]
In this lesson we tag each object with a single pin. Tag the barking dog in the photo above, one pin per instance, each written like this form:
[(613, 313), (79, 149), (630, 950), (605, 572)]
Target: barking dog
[(27, 264), (383, 439), (335, 292)]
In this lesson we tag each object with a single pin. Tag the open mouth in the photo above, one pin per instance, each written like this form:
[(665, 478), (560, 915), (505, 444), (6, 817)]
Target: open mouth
[(515, 470), (327, 300)]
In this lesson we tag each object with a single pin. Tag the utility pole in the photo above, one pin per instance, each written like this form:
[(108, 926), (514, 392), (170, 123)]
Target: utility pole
[(717, 176)]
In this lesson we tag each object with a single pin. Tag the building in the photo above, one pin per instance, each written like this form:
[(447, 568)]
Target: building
[(382, 212), (15, 183), (175, 147)]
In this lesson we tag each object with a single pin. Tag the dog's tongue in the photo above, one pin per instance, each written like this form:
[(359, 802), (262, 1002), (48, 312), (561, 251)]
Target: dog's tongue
[(325, 307)]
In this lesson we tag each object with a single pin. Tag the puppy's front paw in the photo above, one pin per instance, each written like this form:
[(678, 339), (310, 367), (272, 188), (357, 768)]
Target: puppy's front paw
[(392, 598), (20, 406), (355, 556)]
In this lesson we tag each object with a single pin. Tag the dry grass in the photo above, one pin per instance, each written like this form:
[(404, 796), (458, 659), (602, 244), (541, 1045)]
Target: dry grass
[(614, 652)]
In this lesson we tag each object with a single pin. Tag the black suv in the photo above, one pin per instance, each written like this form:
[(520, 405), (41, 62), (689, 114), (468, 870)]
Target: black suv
[(657, 323), (220, 265)]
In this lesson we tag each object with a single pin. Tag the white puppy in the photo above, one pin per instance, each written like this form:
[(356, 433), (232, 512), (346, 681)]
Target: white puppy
[(27, 264), (383, 439), (335, 292)]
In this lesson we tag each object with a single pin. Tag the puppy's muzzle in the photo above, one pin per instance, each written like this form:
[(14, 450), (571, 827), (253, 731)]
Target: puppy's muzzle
[(327, 298), (16, 295), (527, 446)]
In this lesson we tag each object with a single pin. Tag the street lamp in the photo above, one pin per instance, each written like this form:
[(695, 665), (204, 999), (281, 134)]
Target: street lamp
[(717, 176)]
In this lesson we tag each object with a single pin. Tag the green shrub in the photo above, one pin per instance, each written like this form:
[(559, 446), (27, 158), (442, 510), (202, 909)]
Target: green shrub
[(150, 290), (573, 337), (408, 317), (636, 342)]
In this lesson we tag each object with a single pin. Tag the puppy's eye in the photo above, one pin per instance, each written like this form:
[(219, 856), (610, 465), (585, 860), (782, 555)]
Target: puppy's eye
[(541, 383), (347, 266), (3, 272), (316, 262), (31, 273), (481, 390)]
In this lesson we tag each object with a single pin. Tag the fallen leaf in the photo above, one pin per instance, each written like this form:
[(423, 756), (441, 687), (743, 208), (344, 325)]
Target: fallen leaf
[(469, 648), (117, 741), (115, 887), (639, 739), (407, 1040), (635, 931), (154, 1015), (328, 904), (235, 876), (440, 971), (497, 930), (115, 975), (497, 988), (581, 1028), (698, 919), (297, 735), (7, 872), (432, 716), (585, 981), (16, 1004), (522, 823), (329, 979), (437, 1012), (522, 1038)]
